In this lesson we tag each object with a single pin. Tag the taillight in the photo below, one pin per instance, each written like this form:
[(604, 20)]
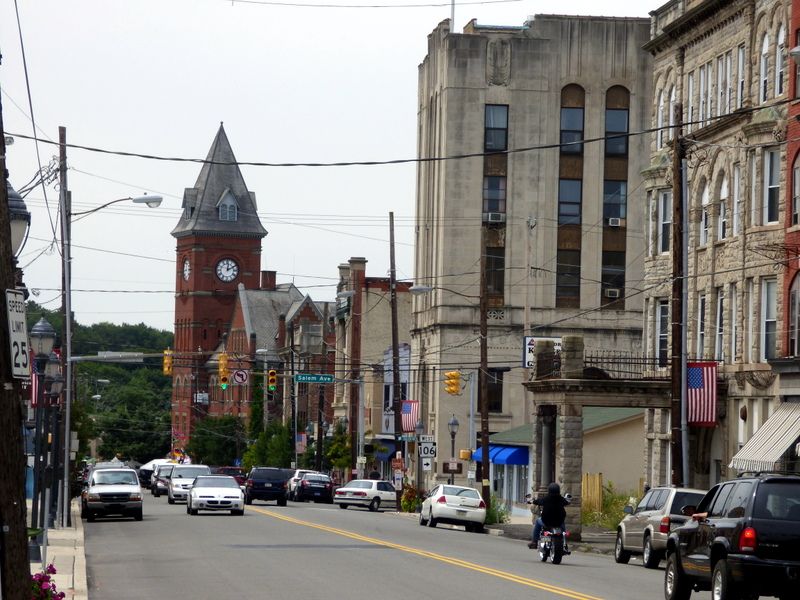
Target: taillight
[(327, 486), (482, 504), (664, 527), (748, 540), (442, 500), (304, 483)]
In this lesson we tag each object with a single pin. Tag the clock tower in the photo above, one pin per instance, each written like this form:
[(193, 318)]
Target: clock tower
[(218, 247)]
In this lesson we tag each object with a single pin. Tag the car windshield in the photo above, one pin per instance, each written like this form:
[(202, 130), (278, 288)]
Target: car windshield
[(189, 472), (115, 478), (165, 470), (227, 482), (778, 501), (449, 490), (268, 474), (363, 485), (682, 499), (229, 471)]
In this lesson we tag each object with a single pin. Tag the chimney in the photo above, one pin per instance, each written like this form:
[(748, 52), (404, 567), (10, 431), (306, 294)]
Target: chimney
[(268, 280)]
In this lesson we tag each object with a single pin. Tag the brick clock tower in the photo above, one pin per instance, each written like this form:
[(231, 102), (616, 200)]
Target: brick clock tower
[(218, 247)]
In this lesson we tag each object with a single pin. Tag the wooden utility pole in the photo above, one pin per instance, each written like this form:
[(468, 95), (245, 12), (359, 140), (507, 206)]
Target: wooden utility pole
[(14, 566), (678, 310), (483, 372), (397, 401)]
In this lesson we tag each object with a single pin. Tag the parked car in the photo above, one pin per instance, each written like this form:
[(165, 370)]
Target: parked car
[(112, 492), (314, 486), (454, 504), (743, 541), (159, 482), (147, 470), (238, 473), (181, 480), (267, 483), (215, 492), (296, 476), (366, 492), (644, 529)]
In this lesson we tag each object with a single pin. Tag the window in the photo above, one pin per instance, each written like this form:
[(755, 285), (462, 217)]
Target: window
[(660, 121), (794, 318), (722, 85), (613, 275), (671, 116), (495, 391), (772, 179), (568, 276), (496, 124), (763, 77), (797, 66), (689, 100), (615, 195), (664, 219), (769, 307), (753, 189), (571, 130), (795, 190), (701, 324), (728, 81), (704, 221), (495, 270), (494, 194), (709, 89), (780, 61), (228, 208), (616, 125), (750, 341), (740, 66), (737, 198), (569, 201), (734, 315), (718, 507), (701, 117), (719, 348), (722, 220), (662, 333)]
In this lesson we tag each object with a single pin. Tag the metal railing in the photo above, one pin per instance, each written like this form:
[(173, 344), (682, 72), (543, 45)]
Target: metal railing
[(605, 365)]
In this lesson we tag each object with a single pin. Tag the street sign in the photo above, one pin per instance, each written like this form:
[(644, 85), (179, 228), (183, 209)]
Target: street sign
[(240, 377), (427, 464), (427, 438), (397, 464), (427, 449), (361, 460), (18, 334), (312, 378)]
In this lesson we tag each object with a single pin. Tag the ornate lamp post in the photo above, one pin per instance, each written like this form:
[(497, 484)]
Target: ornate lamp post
[(452, 427)]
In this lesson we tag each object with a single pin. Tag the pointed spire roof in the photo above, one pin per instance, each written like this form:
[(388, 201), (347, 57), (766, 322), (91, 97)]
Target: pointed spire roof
[(220, 178)]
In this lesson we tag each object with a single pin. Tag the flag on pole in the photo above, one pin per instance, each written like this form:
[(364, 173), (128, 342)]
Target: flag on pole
[(410, 414), (701, 394)]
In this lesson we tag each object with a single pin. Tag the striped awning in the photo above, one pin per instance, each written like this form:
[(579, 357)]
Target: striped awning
[(771, 441)]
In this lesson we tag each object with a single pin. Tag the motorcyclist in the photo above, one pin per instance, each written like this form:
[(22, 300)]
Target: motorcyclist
[(553, 513)]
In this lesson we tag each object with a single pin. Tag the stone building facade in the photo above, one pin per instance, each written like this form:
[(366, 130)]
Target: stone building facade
[(559, 219), (726, 64)]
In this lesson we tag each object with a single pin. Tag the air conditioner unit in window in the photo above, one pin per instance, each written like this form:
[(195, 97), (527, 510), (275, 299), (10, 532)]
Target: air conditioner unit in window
[(494, 217), (612, 292), (614, 222)]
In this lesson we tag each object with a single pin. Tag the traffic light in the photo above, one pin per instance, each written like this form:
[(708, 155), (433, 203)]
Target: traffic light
[(272, 380), (223, 370), (167, 363), (452, 382)]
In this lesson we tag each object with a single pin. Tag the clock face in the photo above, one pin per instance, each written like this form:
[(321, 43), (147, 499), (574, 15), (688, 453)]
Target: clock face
[(227, 269), (187, 269)]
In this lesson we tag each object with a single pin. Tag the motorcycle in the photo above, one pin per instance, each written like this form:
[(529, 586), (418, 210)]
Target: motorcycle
[(551, 545)]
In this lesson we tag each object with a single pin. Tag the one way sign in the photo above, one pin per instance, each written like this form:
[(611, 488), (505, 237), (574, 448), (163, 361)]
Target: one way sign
[(427, 464)]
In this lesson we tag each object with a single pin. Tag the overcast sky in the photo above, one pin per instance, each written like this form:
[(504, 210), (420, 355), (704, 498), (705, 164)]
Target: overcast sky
[(291, 84)]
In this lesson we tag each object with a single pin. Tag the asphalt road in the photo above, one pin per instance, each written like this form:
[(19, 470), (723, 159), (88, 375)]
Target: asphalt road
[(318, 551)]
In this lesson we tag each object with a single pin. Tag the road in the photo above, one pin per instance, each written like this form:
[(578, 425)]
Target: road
[(318, 551)]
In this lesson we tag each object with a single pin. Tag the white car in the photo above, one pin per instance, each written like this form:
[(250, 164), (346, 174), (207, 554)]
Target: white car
[(182, 479), (366, 492), (215, 492), (455, 505)]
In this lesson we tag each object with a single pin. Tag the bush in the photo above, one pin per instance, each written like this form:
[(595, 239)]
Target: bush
[(497, 511), (611, 512), (411, 500)]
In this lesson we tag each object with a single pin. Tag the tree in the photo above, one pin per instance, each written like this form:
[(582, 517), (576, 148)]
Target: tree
[(137, 426), (338, 452), (216, 440), (273, 448)]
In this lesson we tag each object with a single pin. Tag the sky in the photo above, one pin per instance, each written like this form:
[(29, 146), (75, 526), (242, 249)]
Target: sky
[(291, 83)]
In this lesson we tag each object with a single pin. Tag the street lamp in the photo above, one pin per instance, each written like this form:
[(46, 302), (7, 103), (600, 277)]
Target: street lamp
[(66, 255), (20, 219), (42, 336), (452, 427)]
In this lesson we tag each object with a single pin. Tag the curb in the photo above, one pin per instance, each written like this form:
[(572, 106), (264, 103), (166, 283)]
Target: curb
[(80, 587)]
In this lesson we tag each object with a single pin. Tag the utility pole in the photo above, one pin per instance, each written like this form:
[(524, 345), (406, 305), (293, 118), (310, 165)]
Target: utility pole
[(397, 402), (293, 394), (14, 566), (66, 312), (483, 382), (678, 310)]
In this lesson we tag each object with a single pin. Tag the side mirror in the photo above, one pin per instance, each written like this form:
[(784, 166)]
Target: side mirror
[(628, 509)]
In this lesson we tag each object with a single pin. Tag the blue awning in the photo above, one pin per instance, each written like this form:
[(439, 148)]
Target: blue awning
[(504, 455), (384, 455)]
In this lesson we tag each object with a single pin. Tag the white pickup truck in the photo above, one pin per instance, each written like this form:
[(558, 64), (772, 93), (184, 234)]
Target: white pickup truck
[(112, 492)]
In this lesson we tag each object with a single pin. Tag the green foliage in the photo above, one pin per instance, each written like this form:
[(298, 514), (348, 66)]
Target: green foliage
[(256, 423), (338, 452), (611, 512), (497, 511), (216, 440), (137, 426), (411, 500), (272, 448)]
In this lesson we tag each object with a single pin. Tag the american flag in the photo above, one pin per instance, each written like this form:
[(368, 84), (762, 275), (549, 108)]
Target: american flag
[(701, 393), (410, 414)]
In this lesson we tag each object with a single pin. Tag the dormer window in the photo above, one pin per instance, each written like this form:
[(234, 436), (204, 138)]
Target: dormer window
[(228, 209)]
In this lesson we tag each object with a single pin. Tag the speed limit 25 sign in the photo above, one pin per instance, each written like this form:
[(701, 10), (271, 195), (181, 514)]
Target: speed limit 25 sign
[(18, 334)]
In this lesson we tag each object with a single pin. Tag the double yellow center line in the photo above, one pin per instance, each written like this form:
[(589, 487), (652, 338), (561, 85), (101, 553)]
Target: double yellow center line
[(432, 555)]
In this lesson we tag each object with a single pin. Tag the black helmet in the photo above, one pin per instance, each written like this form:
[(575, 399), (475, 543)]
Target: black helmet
[(554, 489)]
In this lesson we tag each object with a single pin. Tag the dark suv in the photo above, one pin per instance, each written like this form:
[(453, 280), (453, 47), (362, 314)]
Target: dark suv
[(267, 483), (743, 541)]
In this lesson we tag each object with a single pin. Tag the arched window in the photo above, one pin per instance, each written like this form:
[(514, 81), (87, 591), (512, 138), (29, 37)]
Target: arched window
[(572, 117), (704, 222), (722, 219), (764, 72), (228, 209), (660, 121), (780, 61), (796, 190), (617, 105)]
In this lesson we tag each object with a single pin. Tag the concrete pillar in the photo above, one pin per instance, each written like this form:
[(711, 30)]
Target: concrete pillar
[(570, 460), (572, 357)]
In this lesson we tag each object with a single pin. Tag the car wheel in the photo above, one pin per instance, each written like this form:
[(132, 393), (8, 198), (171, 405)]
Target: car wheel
[(83, 511), (237, 513), (477, 528), (170, 500), (343, 506), (621, 555), (431, 520), (281, 501), (155, 493), (138, 515), (676, 585), (188, 508), (375, 504), (248, 500), (721, 582), (90, 516), (422, 520), (650, 557)]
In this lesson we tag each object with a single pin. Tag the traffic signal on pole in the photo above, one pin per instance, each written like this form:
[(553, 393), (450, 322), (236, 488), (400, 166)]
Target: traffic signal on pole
[(272, 380), (167, 363), (452, 382), (223, 370)]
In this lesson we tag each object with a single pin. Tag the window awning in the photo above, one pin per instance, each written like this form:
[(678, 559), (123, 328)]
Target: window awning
[(771, 441), (384, 449), (504, 455)]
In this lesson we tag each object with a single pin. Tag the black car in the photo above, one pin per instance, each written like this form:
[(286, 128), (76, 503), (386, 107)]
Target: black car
[(267, 483), (742, 542), (314, 486)]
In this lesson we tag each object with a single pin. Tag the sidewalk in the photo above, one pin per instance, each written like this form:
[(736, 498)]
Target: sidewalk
[(65, 551)]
